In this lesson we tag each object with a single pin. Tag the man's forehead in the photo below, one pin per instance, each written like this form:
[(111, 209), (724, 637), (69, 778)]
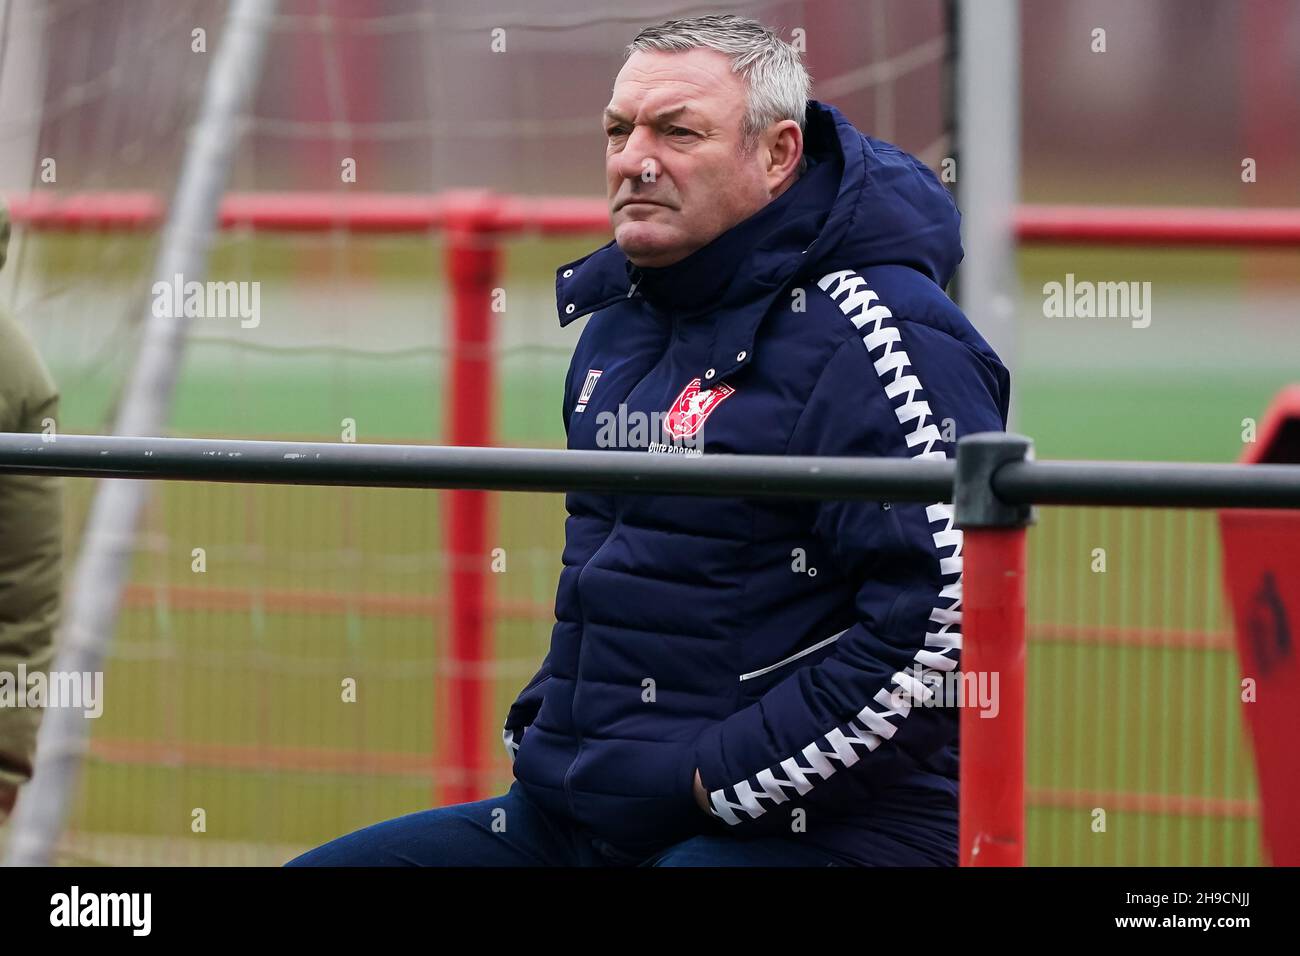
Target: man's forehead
[(701, 81)]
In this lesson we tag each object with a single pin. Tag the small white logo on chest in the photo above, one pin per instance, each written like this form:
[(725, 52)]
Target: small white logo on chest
[(589, 386)]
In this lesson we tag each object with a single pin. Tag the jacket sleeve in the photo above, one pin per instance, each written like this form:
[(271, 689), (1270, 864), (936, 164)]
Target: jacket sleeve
[(529, 701), (31, 545), (583, 529), (836, 732)]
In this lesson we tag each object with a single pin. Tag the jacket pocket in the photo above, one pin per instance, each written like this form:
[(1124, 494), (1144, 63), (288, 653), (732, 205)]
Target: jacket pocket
[(771, 669)]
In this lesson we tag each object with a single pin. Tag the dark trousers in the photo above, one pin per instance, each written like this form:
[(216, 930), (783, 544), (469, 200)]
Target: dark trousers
[(511, 830)]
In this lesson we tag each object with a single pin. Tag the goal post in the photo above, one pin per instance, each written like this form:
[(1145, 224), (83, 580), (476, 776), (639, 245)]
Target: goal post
[(104, 564)]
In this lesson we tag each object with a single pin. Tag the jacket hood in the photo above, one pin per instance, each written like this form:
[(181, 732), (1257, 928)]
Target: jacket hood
[(890, 208), (860, 202)]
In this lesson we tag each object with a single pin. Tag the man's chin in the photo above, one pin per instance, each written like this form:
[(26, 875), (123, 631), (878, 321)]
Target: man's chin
[(647, 244)]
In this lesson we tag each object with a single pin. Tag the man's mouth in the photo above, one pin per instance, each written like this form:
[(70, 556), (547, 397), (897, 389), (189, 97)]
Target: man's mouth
[(640, 202)]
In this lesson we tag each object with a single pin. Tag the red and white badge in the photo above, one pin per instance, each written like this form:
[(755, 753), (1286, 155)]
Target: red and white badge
[(693, 406)]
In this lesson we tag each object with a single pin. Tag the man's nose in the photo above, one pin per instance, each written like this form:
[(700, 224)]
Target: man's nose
[(639, 159)]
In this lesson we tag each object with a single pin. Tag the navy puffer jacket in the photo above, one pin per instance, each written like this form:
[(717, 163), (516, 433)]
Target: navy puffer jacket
[(775, 645)]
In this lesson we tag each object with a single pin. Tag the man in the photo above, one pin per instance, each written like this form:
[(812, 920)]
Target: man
[(744, 681), (31, 543)]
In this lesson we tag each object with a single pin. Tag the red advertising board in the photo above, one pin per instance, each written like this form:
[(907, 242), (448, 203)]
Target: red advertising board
[(1261, 561)]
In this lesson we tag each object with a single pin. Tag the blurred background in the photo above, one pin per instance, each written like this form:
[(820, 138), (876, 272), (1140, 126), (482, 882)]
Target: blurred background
[(222, 689)]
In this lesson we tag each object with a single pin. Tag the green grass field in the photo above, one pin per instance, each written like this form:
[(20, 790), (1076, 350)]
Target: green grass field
[(223, 691)]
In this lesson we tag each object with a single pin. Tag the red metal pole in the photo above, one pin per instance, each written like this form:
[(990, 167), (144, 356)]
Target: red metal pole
[(388, 213), (1159, 226), (992, 789), (473, 263)]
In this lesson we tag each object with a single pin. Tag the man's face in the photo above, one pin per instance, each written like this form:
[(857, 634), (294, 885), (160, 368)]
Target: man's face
[(674, 168)]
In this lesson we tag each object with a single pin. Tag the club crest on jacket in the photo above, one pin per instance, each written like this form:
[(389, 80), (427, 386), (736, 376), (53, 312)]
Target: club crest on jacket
[(693, 406)]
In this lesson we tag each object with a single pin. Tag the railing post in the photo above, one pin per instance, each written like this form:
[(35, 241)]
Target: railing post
[(473, 265), (992, 788)]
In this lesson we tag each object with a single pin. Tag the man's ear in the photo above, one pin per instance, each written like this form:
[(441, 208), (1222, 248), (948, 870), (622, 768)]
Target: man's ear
[(783, 148)]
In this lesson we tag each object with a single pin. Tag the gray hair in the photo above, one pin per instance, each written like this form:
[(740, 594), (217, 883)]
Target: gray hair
[(778, 83)]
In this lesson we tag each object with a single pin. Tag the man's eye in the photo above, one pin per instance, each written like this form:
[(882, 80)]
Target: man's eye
[(681, 131), (615, 131)]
